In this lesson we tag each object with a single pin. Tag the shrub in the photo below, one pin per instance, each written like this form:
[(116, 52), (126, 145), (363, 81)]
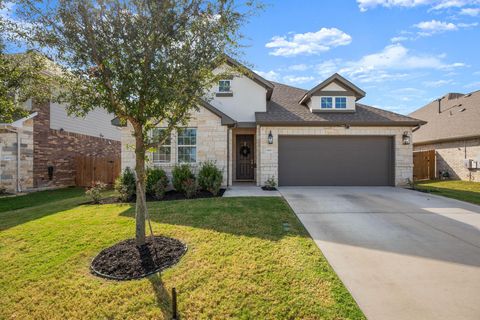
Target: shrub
[(125, 185), (270, 184), (95, 192), (180, 174), (157, 183), (189, 188), (210, 177), (3, 190)]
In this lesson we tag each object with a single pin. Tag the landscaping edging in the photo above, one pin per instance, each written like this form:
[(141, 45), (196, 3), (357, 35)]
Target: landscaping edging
[(122, 258)]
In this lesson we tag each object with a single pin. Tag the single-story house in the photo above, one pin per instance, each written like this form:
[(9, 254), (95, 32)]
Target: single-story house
[(256, 130), (453, 132), (39, 151)]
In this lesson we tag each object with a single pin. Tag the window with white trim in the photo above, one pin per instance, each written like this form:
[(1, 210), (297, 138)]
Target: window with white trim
[(340, 103), (187, 145), (163, 153), (326, 103), (224, 86)]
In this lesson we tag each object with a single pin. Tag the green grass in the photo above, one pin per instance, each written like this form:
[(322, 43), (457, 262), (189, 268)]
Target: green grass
[(240, 264), (461, 190)]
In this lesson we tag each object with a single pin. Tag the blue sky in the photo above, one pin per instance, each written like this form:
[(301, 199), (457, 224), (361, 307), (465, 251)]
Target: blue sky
[(403, 53)]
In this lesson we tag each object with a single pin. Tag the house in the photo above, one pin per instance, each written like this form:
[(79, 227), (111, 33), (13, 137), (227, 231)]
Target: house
[(39, 151), (255, 130), (453, 131)]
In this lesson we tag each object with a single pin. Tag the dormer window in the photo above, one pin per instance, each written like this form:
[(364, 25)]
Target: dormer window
[(340, 103), (327, 103), (224, 86)]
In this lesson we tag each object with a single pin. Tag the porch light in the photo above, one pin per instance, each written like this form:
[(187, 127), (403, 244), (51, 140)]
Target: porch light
[(406, 138), (270, 138)]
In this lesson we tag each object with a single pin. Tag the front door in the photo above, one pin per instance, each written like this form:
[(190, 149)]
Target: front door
[(245, 157)]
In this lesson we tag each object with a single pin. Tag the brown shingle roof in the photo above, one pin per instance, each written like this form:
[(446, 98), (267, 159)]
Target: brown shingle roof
[(284, 109), (459, 117)]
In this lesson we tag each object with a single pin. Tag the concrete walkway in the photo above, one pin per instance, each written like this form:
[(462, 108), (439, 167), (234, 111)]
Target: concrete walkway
[(401, 253), (246, 190)]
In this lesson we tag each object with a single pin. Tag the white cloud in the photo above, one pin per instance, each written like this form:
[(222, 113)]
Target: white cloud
[(298, 67), (394, 62), (473, 12), (308, 43), (428, 28), (475, 85), (297, 80), (437, 83), (269, 75), (364, 5), (399, 39)]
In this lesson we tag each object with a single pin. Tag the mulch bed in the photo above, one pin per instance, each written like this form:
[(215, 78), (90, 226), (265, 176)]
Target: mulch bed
[(169, 196), (126, 261), (265, 188)]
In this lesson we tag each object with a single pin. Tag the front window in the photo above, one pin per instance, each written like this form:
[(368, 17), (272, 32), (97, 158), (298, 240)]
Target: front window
[(326, 103), (163, 153), (224, 86), (340, 102), (187, 145)]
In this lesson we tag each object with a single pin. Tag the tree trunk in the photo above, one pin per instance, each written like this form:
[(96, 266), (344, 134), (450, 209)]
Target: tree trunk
[(141, 204)]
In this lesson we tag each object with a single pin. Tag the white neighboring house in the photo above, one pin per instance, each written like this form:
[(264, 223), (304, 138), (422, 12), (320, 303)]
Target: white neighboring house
[(255, 129)]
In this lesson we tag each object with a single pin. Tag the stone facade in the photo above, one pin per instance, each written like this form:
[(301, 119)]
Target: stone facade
[(58, 149), (450, 157), (268, 159), (8, 158), (211, 144)]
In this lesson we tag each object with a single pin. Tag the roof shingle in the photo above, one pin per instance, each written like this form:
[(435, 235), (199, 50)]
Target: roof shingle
[(284, 109)]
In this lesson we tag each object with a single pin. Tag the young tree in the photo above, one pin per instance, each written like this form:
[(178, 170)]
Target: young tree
[(22, 77), (149, 62)]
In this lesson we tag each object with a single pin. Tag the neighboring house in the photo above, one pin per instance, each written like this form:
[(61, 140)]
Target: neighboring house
[(255, 130), (453, 131), (39, 151)]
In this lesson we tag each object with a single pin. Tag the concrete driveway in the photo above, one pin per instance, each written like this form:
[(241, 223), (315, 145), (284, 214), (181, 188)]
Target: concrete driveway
[(401, 253)]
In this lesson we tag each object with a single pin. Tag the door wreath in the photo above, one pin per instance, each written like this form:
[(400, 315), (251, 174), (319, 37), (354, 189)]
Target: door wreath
[(245, 151)]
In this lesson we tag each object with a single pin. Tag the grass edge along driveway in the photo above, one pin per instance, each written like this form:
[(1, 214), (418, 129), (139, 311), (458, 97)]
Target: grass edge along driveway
[(468, 191), (241, 263)]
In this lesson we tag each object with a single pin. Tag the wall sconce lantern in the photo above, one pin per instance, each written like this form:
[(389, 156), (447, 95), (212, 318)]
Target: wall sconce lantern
[(406, 139), (270, 138)]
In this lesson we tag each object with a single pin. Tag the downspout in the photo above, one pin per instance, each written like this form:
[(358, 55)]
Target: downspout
[(18, 188), (228, 155)]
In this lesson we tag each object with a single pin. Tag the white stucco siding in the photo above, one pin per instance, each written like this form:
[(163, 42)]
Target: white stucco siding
[(248, 97), (211, 144), (333, 87), (97, 122)]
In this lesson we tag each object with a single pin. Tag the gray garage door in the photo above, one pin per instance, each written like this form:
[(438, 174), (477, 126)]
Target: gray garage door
[(335, 161)]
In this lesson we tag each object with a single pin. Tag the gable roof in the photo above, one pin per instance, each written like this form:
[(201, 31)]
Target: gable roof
[(454, 116), (359, 93), (284, 108), (252, 75)]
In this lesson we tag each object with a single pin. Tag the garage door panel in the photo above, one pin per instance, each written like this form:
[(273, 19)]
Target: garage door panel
[(335, 160)]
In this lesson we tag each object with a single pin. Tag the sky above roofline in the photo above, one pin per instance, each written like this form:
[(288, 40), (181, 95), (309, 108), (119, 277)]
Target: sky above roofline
[(403, 53)]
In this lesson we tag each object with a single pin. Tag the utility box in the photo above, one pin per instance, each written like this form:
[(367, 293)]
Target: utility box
[(470, 164)]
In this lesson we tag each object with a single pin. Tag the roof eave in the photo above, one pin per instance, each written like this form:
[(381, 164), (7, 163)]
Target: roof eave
[(338, 123)]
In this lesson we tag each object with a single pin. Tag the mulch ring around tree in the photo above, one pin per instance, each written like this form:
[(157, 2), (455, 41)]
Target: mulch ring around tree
[(126, 261)]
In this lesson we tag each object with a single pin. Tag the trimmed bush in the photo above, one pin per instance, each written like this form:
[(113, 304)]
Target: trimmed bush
[(190, 188), (95, 192), (157, 183), (125, 185), (180, 174), (210, 177)]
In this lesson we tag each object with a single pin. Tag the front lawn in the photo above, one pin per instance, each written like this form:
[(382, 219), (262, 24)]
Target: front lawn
[(457, 189), (241, 263)]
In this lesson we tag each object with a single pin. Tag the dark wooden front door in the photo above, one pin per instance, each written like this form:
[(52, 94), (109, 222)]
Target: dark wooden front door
[(245, 157)]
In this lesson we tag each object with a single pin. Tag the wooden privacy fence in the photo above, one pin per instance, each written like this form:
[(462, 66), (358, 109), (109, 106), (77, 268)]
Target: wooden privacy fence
[(424, 165), (92, 169)]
